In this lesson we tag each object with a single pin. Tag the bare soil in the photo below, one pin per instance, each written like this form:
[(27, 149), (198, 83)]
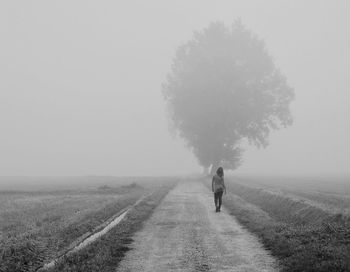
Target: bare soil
[(186, 234)]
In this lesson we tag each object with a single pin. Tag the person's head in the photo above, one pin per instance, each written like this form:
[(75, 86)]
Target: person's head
[(220, 172)]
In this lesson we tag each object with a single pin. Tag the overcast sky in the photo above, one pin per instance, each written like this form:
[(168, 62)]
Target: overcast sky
[(80, 88)]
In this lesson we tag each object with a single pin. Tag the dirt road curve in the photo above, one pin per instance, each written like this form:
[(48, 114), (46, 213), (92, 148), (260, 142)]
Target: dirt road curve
[(185, 234)]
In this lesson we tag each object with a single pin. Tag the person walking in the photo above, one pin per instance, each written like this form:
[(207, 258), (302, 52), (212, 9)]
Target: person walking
[(218, 187)]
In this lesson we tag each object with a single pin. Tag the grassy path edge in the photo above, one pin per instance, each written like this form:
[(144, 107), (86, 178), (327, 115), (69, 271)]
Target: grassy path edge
[(298, 248), (106, 253), (85, 236)]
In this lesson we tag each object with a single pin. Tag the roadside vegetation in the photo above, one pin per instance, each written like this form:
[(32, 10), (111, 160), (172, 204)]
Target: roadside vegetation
[(36, 227), (106, 253), (305, 234)]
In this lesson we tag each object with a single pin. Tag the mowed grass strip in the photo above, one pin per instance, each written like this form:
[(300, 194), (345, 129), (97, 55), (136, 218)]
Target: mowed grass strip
[(105, 253), (303, 238), (36, 229)]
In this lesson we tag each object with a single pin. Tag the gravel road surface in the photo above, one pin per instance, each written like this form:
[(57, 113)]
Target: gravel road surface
[(185, 234)]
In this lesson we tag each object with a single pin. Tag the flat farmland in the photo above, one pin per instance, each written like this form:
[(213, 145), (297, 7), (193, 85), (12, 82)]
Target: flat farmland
[(169, 224), (42, 221), (304, 222), (331, 194)]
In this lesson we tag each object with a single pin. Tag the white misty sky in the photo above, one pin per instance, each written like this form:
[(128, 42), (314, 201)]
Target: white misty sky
[(80, 88)]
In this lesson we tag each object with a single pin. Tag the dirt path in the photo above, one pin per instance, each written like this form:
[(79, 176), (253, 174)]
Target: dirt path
[(185, 234)]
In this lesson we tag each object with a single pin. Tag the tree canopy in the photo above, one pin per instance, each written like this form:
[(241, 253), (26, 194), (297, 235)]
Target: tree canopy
[(223, 86)]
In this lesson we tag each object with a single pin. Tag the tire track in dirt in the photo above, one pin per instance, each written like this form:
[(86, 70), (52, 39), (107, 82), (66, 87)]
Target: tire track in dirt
[(90, 237), (185, 234)]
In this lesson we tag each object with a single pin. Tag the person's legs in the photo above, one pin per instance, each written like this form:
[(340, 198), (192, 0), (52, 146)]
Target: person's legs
[(220, 199), (216, 199)]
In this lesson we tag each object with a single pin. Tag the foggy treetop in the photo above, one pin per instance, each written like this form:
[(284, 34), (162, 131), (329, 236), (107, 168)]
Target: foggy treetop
[(223, 87), (80, 88)]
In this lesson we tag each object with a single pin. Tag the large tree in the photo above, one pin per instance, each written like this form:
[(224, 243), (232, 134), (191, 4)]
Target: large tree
[(223, 87)]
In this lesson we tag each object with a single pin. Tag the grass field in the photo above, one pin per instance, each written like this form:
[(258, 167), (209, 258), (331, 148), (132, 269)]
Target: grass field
[(331, 193), (37, 225), (304, 222), (106, 253)]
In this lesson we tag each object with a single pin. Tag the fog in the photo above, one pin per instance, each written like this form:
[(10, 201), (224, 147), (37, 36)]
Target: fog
[(80, 88)]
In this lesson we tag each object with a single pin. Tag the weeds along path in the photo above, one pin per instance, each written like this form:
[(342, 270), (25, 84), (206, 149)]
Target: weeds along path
[(106, 252), (185, 234), (102, 230)]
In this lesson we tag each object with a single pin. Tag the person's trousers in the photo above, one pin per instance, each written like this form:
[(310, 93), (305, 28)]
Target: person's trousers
[(218, 199)]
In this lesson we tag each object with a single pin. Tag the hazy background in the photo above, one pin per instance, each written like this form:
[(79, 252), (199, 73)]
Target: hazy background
[(80, 87)]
